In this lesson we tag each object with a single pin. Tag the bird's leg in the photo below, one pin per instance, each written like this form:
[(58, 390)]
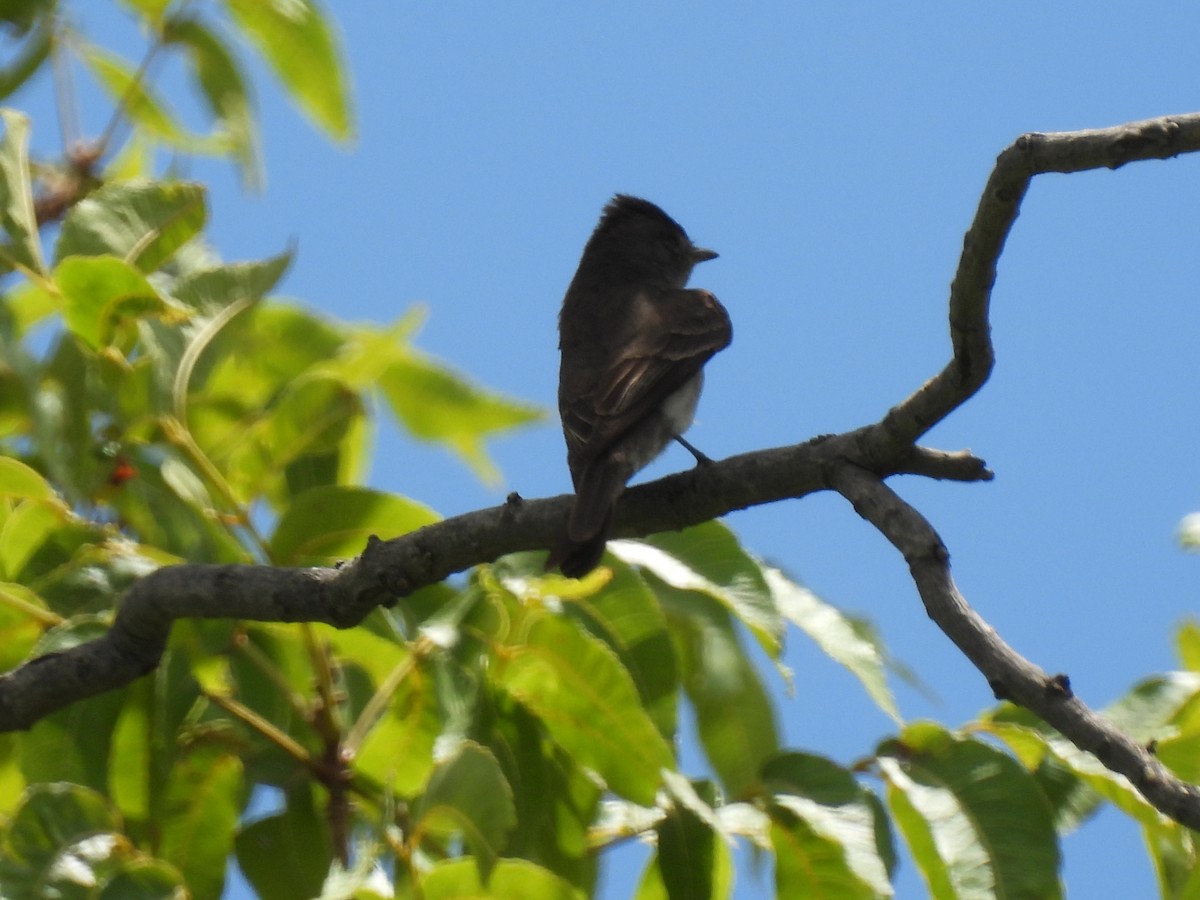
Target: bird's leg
[(701, 459)]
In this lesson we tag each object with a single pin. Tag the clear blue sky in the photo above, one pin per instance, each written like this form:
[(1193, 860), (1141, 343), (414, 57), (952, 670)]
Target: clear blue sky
[(834, 157)]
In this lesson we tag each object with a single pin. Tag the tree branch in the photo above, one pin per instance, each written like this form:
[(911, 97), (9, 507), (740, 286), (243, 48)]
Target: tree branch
[(1011, 676), (854, 464), (386, 571)]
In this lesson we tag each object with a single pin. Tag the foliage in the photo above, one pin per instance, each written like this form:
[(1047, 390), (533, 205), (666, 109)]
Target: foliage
[(490, 738)]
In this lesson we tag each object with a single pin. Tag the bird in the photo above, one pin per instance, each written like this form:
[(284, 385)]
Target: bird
[(633, 343)]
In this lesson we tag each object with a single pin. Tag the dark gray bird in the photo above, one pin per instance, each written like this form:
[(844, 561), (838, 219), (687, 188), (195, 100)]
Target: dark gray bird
[(634, 342)]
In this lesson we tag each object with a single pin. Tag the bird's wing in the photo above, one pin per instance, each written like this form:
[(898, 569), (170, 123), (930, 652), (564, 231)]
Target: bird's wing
[(673, 334)]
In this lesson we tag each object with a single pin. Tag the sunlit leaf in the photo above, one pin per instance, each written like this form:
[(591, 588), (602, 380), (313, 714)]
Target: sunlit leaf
[(19, 480), (12, 782), (436, 404), (468, 795), (1189, 532), (143, 222), (976, 823), (29, 303), (23, 618), (72, 744), (1143, 712), (128, 88), (708, 559), (99, 293), (234, 381), (301, 45), (839, 636), (1073, 781), (330, 523), (25, 531), (225, 90), (29, 58), (553, 831), (212, 289), (202, 803), (459, 878), (623, 612), (399, 749), (693, 860), (733, 711), (589, 704), (287, 855), (1187, 644), (144, 879), (16, 196), (830, 838), (42, 850), (151, 10)]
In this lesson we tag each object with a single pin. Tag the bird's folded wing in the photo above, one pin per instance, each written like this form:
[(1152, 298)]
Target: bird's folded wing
[(673, 334)]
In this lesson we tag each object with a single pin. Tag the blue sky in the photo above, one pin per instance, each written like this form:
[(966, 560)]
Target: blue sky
[(834, 156)]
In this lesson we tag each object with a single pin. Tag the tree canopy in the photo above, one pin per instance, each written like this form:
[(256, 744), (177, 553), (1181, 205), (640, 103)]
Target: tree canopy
[(202, 604)]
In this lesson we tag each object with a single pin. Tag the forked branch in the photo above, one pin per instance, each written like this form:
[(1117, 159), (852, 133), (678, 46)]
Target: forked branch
[(855, 464)]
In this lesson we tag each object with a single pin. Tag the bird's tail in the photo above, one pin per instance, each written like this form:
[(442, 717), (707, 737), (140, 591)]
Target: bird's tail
[(579, 549)]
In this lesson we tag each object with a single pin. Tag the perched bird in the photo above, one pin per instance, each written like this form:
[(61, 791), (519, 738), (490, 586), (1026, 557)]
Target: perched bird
[(633, 342)]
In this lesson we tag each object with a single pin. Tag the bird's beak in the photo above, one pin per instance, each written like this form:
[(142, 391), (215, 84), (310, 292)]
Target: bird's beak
[(699, 254)]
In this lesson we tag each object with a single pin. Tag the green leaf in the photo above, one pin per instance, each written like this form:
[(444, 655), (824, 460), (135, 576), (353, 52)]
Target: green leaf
[(838, 635), (48, 825), (29, 303), (150, 10), (202, 803), (224, 88), (1073, 781), (73, 743), (310, 417), (22, 14), (693, 859), (19, 480), (830, 838), (436, 404), (143, 222), (144, 879), (624, 613), (733, 712), (210, 290), (709, 560), (975, 821), (29, 58), (589, 704), (128, 88), (52, 816), (556, 834), (16, 196), (1144, 712), (99, 293), (23, 617), (398, 749), (468, 795), (25, 531), (300, 43), (234, 383), (63, 837), (288, 855), (329, 523), (1187, 644), (1173, 849), (459, 878)]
